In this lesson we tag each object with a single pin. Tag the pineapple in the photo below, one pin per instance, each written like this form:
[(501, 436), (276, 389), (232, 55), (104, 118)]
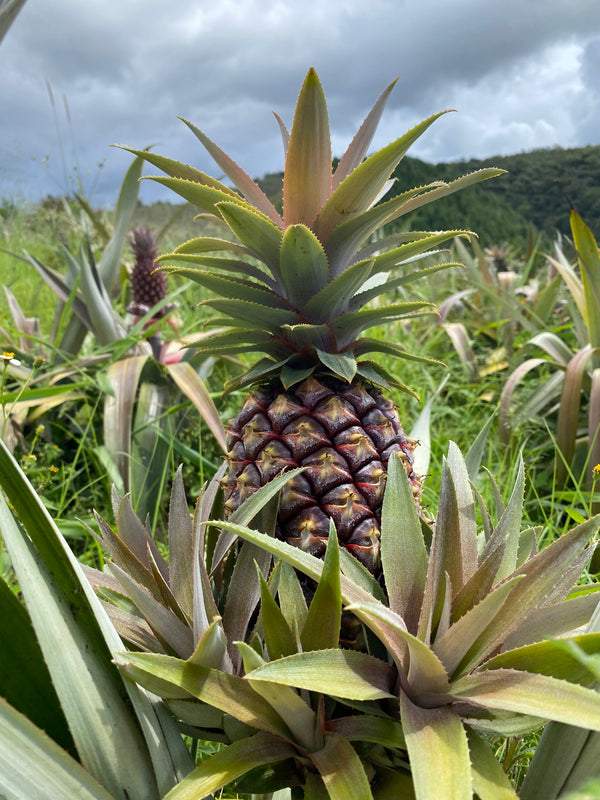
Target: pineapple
[(297, 288), (148, 285)]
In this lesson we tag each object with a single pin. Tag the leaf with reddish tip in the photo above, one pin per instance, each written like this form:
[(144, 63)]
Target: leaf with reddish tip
[(363, 138), (555, 620), (251, 191), (542, 573), (167, 627), (181, 547), (307, 176), (457, 647)]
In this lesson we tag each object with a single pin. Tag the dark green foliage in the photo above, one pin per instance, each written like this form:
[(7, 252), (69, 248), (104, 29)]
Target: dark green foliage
[(538, 191)]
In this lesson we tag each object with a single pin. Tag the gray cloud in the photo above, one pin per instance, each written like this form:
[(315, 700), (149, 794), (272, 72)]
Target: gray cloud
[(522, 75)]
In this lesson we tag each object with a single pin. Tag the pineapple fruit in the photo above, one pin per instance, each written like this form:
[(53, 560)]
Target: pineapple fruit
[(297, 288), (148, 285)]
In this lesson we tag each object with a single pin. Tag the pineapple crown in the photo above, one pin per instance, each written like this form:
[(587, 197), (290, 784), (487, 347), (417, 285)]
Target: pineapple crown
[(296, 286), (143, 244)]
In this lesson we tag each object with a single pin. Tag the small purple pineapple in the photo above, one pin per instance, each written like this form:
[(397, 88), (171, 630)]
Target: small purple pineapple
[(149, 286)]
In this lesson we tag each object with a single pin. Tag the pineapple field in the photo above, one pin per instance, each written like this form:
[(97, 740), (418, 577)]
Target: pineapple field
[(300, 483)]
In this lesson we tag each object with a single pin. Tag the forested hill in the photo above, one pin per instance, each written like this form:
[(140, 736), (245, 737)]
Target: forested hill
[(537, 192)]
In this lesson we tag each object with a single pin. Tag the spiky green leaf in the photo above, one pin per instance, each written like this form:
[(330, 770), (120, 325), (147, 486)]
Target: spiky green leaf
[(279, 639), (540, 696), (303, 265), (172, 677), (348, 326), (360, 189), (341, 673), (438, 752), (256, 315), (229, 764), (341, 769), (256, 231), (343, 365), (205, 195), (403, 552), (177, 170), (490, 782), (335, 298), (307, 175), (177, 264), (33, 765), (322, 627)]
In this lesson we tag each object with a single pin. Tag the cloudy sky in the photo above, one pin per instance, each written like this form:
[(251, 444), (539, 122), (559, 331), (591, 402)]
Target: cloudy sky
[(76, 77)]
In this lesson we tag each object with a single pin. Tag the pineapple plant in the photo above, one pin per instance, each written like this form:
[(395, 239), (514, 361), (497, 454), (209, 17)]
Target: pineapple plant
[(298, 288)]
